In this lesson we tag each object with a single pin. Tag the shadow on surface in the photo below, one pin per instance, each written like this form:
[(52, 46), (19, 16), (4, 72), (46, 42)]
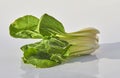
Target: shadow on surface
[(110, 51)]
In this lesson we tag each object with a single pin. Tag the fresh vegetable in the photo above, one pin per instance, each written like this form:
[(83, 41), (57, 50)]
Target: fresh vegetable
[(56, 46)]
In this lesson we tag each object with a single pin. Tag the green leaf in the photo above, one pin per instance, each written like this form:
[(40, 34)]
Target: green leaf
[(40, 63), (49, 26), (25, 27), (48, 51)]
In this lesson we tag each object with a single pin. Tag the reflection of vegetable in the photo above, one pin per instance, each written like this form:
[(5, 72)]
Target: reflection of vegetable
[(56, 45)]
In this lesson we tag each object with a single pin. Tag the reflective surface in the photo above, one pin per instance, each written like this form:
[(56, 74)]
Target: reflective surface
[(104, 63)]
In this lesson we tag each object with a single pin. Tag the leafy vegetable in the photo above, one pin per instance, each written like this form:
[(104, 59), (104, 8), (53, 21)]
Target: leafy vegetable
[(51, 50), (49, 26), (56, 45), (25, 27)]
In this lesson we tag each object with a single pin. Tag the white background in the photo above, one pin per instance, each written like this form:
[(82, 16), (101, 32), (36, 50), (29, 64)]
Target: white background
[(75, 15)]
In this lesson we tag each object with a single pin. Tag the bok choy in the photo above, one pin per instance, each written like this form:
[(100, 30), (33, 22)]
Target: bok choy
[(56, 45)]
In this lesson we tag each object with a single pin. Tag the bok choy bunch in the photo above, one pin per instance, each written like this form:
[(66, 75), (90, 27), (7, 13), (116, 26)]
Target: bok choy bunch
[(56, 45)]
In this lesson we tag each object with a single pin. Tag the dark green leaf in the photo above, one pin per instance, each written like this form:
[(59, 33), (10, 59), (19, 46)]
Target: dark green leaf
[(40, 63), (49, 26)]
